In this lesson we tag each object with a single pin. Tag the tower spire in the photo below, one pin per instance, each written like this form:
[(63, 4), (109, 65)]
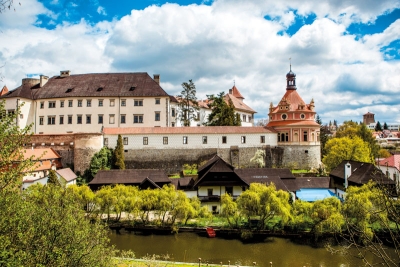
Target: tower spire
[(290, 61)]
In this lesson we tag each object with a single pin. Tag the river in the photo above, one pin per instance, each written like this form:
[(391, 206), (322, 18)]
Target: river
[(189, 247)]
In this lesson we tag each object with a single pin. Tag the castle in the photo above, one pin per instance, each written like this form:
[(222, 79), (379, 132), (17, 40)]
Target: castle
[(77, 115)]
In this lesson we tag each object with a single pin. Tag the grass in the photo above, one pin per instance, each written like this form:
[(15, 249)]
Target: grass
[(300, 171)]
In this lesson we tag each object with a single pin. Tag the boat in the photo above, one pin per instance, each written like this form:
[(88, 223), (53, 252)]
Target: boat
[(210, 232)]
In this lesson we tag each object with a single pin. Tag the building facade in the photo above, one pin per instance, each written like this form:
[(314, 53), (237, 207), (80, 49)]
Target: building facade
[(297, 131)]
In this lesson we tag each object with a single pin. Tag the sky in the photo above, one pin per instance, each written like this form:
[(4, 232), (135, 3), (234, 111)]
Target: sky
[(346, 54)]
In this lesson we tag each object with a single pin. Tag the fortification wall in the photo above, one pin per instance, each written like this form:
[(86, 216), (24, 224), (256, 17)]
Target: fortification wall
[(301, 157)]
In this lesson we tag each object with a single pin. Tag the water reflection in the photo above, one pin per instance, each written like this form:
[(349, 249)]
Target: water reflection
[(188, 247)]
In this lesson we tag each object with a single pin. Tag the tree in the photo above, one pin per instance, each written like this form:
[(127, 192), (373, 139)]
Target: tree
[(264, 202), (6, 4), (119, 157), (52, 178), (372, 219), (385, 126), (259, 158), (346, 148), (230, 211), (383, 153), (378, 127), (45, 226), (12, 140), (222, 113), (100, 161), (188, 105), (324, 134)]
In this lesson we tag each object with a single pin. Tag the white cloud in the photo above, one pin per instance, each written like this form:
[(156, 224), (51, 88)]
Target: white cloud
[(215, 45), (101, 10)]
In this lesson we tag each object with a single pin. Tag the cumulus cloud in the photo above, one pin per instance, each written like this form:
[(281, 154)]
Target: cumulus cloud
[(224, 42), (101, 10)]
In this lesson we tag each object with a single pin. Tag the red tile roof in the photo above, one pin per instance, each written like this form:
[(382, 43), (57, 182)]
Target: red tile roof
[(189, 130), (293, 99), (4, 90), (238, 104), (41, 153), (236, 93), (392, 161), (67, 174)]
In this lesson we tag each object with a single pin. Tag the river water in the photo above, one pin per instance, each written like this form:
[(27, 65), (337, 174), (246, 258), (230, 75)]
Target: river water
[(189, 247)]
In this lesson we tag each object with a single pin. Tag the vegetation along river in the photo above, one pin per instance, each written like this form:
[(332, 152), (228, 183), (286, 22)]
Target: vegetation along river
[(189, 247)]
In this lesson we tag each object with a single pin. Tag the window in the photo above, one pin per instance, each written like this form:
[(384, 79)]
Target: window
[(61, 103), (112, 102), (157, 116), (123, 102), (305, 136), (283, 137), (41, 120), (123, 118), (41, 104), (165, 140), (52, 104), (209, 192), (204, 140), (112, 119), (70, 103), (69, 119), (262, 139), (100, 102), (244, 118), (106, 141), (99, 89), (88, 119), (61, 119), (79, 119), (284, 116), (137, 118), (88, 103), (157, 101), (79, 103), (249, 118), (318, 137), (138, 102), (185, 140), (100, 119), (224, 139), (51, 120), (229, 190), (173, 124), (145, 141), (125, 141), (243, 139), (173, 112), (302, 116)]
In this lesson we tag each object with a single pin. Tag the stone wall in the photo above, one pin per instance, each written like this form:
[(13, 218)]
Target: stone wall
[(301, 157)]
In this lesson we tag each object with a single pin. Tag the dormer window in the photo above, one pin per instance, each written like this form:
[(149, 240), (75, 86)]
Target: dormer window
[(132, 88), (284, 116), (69, 90), (99, 89)]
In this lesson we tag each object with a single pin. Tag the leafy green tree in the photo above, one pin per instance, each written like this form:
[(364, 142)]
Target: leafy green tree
[(100, 161), (259, 158), (327, 216), (301, 212), (348, 129), (105, 201), (13, 165), (230, 211), (370, 210), (52, 178), (346, 148), (324, 134), (222, 113), (188, 105), (385, 126), (85, 197), (45, 226), (378, 127), (119, 156), (384, 153), (264, 202)]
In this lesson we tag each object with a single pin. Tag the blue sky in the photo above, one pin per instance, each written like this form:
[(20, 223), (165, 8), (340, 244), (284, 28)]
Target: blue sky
[(346, 54)]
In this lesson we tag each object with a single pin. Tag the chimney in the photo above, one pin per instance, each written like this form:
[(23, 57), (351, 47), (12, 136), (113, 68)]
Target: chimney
[(30, 81), (43, 80), (157, 78), (65, 73), (347, 174)]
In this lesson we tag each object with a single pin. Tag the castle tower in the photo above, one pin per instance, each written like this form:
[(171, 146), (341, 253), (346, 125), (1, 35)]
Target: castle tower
[(368, 118), (297, 131)]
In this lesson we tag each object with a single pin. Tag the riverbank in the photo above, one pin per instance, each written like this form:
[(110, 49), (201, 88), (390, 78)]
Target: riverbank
[(130, 262)]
